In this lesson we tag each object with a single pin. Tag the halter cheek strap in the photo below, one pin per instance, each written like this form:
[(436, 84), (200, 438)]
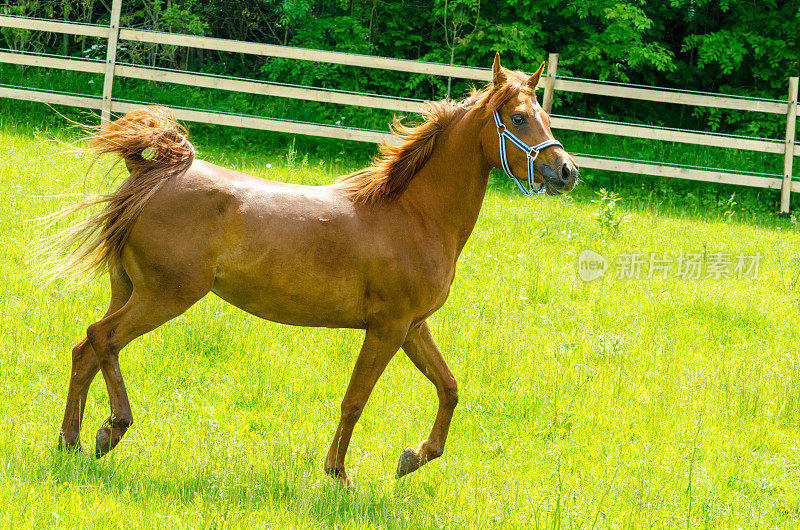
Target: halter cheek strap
[(531, 152)]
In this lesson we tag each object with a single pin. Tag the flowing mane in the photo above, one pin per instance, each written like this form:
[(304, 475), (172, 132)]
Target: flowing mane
[(397, 163)]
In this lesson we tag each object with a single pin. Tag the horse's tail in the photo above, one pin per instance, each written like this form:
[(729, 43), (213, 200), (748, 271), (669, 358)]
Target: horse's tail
[(154, 147)]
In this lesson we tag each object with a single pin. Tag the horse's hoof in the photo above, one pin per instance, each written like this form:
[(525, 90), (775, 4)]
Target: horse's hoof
[(69, 447), (409, 461), (341, 477), (102, 442)]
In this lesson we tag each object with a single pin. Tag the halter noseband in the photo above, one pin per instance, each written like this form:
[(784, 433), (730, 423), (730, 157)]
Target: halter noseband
[(531, 152)]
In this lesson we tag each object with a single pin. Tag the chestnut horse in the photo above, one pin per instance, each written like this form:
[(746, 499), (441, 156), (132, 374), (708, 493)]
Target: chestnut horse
[(376, 250)]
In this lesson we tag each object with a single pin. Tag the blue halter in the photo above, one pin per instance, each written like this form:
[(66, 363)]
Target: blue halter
[(531, 152)]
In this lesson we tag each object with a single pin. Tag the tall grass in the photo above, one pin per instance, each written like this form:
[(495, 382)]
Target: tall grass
[(618, 403)]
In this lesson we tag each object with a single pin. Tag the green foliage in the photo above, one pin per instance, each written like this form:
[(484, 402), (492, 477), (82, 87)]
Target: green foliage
[(734, 46), (730, 208), (183, 19), (608, 214), (621, 44)]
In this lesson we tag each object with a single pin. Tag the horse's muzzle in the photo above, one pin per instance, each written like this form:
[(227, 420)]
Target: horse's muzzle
[(561, 179)]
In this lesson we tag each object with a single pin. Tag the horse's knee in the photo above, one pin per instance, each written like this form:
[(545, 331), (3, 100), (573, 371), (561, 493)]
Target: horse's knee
[(449, 394), (351, 410)]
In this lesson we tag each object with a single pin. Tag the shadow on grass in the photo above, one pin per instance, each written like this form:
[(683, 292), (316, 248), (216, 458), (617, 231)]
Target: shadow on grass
[(301, 491)]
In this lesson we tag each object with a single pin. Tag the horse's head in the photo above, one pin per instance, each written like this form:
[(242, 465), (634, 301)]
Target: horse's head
[(518, 139)]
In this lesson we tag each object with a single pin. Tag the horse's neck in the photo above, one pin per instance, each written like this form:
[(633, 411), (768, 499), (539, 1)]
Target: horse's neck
[(449, 189)]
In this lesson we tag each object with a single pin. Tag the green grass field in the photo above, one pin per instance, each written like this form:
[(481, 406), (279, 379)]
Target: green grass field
[(634, 402)]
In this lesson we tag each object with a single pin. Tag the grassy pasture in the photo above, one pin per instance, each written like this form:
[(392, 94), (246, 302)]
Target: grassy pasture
[(659, 402)]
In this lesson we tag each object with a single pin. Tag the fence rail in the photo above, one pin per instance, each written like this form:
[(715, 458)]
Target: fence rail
[(110, 69), (670, 96)]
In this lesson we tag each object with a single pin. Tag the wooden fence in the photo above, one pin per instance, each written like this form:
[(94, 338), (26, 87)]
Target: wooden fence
[(551, 82)]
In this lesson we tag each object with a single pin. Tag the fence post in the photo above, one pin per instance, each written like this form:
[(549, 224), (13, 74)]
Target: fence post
[(550, 82), (111, 61), (788, 154)]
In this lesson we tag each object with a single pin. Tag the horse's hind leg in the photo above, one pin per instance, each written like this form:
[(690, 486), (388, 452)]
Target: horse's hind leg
[(144, 311), (85, 367), (424, 353)]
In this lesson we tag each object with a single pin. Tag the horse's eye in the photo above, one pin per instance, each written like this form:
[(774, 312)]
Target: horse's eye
[(517, 119)]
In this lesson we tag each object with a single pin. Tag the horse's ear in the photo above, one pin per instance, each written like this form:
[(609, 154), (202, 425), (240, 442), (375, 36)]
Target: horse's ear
[(533, 81), (498, 75)]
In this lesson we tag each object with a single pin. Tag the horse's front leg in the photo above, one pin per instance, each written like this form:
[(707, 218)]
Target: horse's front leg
[(423, 352), (380, 345)]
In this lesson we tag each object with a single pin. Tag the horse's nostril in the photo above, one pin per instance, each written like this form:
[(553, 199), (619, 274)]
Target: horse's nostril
[(566, 172)]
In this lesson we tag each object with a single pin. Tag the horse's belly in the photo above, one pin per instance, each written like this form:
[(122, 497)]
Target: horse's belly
[(295, 297)]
